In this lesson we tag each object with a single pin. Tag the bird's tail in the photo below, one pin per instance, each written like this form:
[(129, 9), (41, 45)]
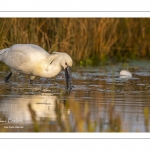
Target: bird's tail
[(2, 52)]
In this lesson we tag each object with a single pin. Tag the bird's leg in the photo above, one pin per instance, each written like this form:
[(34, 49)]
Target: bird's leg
[(31, 79), (7, 77)]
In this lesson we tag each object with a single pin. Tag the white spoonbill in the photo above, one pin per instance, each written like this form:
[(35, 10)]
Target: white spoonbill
[(35, 61)]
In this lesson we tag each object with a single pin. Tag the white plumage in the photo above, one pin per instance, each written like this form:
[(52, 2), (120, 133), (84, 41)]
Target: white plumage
[(35, 61), (125, 73)]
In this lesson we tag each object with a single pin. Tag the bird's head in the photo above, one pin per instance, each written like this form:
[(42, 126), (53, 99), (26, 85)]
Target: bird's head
[(66, 63)]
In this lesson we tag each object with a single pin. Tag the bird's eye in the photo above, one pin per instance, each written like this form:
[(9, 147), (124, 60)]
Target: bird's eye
[(66, 64)]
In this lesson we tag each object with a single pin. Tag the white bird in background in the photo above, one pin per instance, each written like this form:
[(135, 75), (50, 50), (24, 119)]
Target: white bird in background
[(125, 74), (35, 61)]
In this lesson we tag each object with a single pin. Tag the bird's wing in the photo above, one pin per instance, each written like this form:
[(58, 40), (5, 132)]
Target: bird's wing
[(16, 60), (29, 49), (22, 57)]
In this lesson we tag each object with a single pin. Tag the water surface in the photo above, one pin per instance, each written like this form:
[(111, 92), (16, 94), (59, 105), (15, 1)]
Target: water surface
[(100, 87)]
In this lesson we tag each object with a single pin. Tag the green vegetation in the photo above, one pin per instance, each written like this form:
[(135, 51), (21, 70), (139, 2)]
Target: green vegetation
[(89, 41)]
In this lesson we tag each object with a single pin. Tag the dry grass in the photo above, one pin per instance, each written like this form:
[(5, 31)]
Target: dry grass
[(87, 40)]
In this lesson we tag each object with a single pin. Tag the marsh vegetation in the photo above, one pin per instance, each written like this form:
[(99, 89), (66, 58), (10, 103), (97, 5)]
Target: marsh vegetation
[(89, 41), (101, 100)]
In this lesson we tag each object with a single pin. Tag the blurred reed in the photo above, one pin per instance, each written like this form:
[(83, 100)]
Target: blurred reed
[(88, 40), (77, 119)]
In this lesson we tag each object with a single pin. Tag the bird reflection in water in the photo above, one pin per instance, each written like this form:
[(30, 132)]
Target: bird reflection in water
[(16, 108)]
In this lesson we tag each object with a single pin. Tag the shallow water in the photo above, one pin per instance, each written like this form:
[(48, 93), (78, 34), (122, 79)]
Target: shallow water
[(100, 87)]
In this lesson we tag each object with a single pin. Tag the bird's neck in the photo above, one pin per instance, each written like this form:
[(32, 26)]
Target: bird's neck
[(51, 67)]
